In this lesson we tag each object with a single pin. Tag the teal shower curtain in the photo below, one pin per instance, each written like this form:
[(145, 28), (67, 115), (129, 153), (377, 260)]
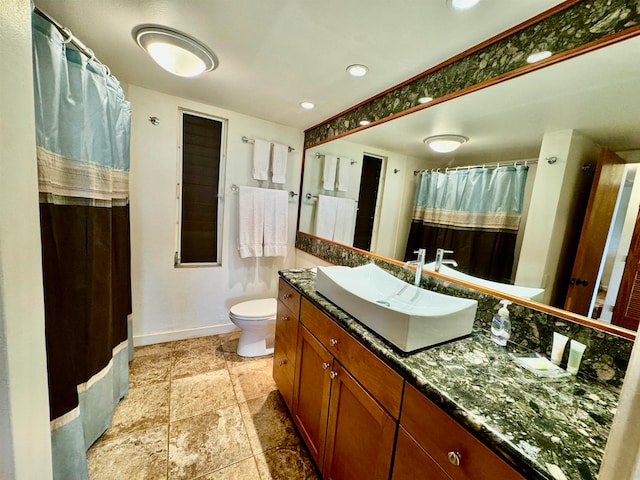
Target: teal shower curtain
[(82, 135), (475, 212)]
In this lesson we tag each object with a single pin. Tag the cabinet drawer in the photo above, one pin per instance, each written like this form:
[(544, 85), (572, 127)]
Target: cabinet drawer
[(286, 331), (411, 461), (379, 379), (290, 297), (440, 435)]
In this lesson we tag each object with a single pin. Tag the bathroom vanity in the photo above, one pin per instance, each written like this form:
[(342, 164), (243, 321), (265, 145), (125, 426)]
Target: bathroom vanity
[(460, 410)]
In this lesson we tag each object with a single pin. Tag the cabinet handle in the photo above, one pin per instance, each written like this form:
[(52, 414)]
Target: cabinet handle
[(285, 296), (284, 318), (333, 342), (454, 458), (325, 365), (333, 374), (282, 362)]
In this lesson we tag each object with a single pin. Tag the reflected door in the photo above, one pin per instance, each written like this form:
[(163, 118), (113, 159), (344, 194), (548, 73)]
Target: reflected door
[(367, 201), (626, 312), (595, 229)]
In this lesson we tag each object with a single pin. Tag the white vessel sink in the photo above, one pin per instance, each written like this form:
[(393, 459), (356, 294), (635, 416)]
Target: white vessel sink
[(407, 316), (529, 293)]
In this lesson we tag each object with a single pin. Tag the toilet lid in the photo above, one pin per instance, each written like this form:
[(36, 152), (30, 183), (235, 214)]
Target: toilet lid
[(263, 308)]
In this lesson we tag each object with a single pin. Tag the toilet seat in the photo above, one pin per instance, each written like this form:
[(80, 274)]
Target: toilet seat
[(262, 309)]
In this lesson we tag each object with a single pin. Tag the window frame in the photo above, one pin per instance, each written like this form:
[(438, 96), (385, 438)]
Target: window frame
[(177, 260)]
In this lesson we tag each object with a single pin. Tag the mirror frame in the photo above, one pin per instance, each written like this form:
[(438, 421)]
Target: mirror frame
[(311, 141)]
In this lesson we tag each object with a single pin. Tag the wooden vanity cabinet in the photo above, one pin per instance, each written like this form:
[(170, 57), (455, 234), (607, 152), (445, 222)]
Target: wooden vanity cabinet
[(349, 433), (433, 439), (284, 348)]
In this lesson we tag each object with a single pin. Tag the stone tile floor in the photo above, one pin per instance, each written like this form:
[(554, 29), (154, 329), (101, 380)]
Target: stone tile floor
[(196, 410)]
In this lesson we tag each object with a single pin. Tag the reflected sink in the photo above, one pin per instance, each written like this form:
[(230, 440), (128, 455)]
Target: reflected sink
[(529, 293), (407, 316)]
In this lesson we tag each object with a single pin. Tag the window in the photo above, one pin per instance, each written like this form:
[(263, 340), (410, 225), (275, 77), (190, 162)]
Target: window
[(200, 177)]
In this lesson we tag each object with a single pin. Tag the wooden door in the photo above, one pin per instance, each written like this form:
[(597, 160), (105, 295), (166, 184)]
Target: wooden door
[(367, 201), (412, 462), (626, 312), (311, 391), (360, 432), (593, 237)]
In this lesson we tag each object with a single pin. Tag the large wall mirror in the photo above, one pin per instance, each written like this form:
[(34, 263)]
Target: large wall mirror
[(573, 127)]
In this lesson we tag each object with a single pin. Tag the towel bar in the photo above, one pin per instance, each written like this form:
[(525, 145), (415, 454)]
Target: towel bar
[(235, 188), (252, 140)]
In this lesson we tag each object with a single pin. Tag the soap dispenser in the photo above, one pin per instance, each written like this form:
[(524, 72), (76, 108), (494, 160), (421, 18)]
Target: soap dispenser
[(501, 325)]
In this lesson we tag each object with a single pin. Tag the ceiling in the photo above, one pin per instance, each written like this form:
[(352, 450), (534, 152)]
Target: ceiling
[(276, 53)]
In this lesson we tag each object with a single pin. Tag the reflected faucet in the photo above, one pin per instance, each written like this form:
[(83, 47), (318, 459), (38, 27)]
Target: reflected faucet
[(419, 263), (440, 252)]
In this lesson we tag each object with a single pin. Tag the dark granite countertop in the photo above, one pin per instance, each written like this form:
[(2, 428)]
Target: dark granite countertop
[(547, 429)]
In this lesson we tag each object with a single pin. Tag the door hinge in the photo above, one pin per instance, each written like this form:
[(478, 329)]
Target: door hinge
[(176, 259)]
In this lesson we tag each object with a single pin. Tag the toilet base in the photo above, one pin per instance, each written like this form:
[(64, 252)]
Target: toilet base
[(252, 344)]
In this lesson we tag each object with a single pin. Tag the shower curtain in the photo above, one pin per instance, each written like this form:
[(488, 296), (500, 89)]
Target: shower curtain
[(82, 135), (475, 212)]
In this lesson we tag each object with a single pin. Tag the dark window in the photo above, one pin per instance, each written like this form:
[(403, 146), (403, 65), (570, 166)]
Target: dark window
[(202, 139)]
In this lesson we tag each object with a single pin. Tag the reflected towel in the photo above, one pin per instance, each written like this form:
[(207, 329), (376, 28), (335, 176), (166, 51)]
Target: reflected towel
[(326, 212), (345, 221), (343, 174), (329, 172), (261, 153), (279, 163), (250, 221), (276, 223)]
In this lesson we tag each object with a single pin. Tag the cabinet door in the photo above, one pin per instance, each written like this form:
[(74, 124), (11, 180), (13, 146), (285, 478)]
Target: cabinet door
[(311, 390), (360, 433), (284, 352), (412, 462)]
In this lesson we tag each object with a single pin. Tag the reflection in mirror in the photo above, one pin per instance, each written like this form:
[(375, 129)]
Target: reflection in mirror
[(557, 119)]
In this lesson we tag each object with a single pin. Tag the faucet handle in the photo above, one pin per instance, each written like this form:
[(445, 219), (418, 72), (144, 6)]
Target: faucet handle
[(445, 251), (421, 253)]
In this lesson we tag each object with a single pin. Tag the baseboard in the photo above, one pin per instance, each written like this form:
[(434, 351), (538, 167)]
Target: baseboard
[(173, 335)]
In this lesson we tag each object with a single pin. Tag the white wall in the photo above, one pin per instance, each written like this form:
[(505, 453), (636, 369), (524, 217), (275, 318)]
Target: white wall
[(25, 439), (171, 303)]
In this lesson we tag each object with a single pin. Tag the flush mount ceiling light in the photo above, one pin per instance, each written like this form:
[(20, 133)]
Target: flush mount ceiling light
[(445, 143), (357, 70), (537, 56), (364, 122), (425, 99), (176, 52), (463, 4), (307, 105)]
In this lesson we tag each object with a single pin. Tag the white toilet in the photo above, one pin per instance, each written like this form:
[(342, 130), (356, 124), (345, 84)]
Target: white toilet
[(257, 321)]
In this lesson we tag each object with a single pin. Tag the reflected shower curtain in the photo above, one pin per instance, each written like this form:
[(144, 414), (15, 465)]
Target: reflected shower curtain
[(82, 135), (474, 212)]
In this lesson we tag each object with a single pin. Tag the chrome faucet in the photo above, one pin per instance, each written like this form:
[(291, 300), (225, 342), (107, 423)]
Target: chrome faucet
[(419, 263), (440, 252)]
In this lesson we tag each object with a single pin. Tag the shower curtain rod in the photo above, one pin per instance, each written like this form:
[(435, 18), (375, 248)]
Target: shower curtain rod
[(484, 165), (71, 38)]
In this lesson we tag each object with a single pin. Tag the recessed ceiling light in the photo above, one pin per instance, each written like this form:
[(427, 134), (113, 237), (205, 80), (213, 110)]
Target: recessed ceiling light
[(176, 52), (464, 4), (307, 105), (445, 143), (357, 70), (364, 122), (537, 56), (425, 99)]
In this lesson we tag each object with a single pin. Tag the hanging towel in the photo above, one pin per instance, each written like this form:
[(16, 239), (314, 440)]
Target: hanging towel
[(343, 174), (250, 221), (276, 223), (261, 152), (279, 163), (329, 172), (345, 221), (326, 212)]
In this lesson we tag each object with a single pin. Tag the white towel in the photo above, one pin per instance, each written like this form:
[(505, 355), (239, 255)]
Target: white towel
[(326, 212), (276, 223), (345, 221), (279, 163), (250, 221), (343, 174), (261, 153), (329, 172)]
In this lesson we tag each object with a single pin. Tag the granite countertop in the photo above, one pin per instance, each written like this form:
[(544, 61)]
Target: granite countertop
[(548, 429)]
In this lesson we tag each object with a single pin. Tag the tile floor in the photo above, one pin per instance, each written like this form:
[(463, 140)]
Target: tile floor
[(196, 410)]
